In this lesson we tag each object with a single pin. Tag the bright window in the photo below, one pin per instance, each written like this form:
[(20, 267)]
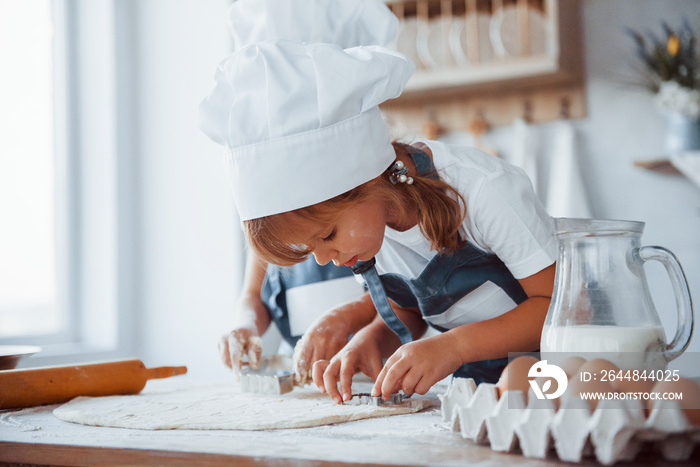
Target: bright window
[(29, 303)]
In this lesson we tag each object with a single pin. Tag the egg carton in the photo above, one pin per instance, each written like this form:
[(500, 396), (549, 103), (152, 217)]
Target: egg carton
[(616, 430)]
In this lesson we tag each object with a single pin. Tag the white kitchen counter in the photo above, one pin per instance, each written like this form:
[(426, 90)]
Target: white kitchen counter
[(36, 436)]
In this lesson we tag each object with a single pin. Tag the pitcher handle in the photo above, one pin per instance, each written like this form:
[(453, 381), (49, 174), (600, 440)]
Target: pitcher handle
[(683, 301)]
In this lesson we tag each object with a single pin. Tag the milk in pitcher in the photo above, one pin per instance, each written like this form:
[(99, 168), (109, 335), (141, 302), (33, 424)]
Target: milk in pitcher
[(627, 346)]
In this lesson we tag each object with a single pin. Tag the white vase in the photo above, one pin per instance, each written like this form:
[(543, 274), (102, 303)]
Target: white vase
[(682, 133)]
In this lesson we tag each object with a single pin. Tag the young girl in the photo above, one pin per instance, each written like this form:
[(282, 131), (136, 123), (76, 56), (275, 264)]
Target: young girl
[(292, 297), (485, 278), (458, 235)]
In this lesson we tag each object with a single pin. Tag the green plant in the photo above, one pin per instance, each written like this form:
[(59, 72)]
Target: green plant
[(672, 57)]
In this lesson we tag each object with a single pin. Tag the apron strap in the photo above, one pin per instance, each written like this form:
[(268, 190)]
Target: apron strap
[(380, 300), (424, 165)]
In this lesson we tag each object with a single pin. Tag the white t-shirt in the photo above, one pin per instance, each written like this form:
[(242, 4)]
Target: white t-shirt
[(504, 217)]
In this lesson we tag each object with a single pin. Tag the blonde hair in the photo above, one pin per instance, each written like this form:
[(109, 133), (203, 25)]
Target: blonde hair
[(440, 209)]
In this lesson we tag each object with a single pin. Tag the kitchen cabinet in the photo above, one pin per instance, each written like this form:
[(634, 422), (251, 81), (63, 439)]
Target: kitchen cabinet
[(469, 45), (495, 59)]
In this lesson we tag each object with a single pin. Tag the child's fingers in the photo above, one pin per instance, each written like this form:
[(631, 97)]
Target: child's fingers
[(319, 353), (254, 351), (410, 380), (307, 357), (377, 388), (347, 370), (424, 385), (235, 349), (330, 381), (319, 368), (223, 351), (302, 362), (394, 375)]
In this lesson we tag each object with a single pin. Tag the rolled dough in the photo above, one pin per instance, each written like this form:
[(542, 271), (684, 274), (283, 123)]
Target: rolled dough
[(222, 407)]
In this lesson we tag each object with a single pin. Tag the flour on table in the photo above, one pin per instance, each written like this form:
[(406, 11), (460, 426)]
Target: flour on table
[(222, 407)]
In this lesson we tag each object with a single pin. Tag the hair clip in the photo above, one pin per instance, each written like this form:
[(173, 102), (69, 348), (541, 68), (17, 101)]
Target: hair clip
[(397, 174)]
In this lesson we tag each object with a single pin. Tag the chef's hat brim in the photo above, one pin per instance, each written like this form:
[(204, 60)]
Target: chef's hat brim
[(297, 171)]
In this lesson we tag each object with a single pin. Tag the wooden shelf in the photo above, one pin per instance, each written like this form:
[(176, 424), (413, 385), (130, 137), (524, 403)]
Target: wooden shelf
[(662, 166), (543, 82)]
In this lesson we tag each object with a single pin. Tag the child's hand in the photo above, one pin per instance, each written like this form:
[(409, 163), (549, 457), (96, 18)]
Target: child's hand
[(330, 333), (361, 354), (238, 343), (251, 320), (417, 366), (324, 338)]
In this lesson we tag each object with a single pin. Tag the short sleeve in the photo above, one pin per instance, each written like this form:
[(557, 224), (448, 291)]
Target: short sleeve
[(506, 218)]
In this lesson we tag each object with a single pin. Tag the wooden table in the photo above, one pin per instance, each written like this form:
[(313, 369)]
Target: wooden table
[(35, 436)]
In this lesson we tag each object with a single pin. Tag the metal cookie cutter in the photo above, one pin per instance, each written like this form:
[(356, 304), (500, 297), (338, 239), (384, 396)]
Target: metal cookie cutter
[(275, 376), (377, 401)]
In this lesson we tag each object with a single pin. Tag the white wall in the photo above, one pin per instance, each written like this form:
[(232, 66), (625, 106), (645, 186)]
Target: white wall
[(189, 241), (190, 244), (623, 126)]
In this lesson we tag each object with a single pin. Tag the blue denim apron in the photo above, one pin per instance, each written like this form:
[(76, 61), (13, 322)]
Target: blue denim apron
[(278, 280), (444, 281)]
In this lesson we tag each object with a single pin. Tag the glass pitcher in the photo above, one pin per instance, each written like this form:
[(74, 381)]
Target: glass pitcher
[(601, 306)]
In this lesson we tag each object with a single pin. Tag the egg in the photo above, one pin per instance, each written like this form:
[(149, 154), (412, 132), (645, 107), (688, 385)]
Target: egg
[(514, 376), (597, 366), (552, 387), (571, 365), (594, 383), (630, 386), (690, 391)]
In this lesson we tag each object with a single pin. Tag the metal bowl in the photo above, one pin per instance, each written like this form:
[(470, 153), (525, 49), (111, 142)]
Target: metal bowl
[(10, 355)]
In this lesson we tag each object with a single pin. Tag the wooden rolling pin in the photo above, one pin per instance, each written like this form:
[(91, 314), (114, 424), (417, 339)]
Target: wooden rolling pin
[(56, 384)]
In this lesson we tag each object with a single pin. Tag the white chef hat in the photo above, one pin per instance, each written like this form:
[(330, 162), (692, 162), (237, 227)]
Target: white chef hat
[(347, 23), (300, 121)]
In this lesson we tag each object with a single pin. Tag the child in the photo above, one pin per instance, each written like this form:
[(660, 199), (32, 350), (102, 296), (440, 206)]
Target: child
[(293, 297), (459, 236)]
